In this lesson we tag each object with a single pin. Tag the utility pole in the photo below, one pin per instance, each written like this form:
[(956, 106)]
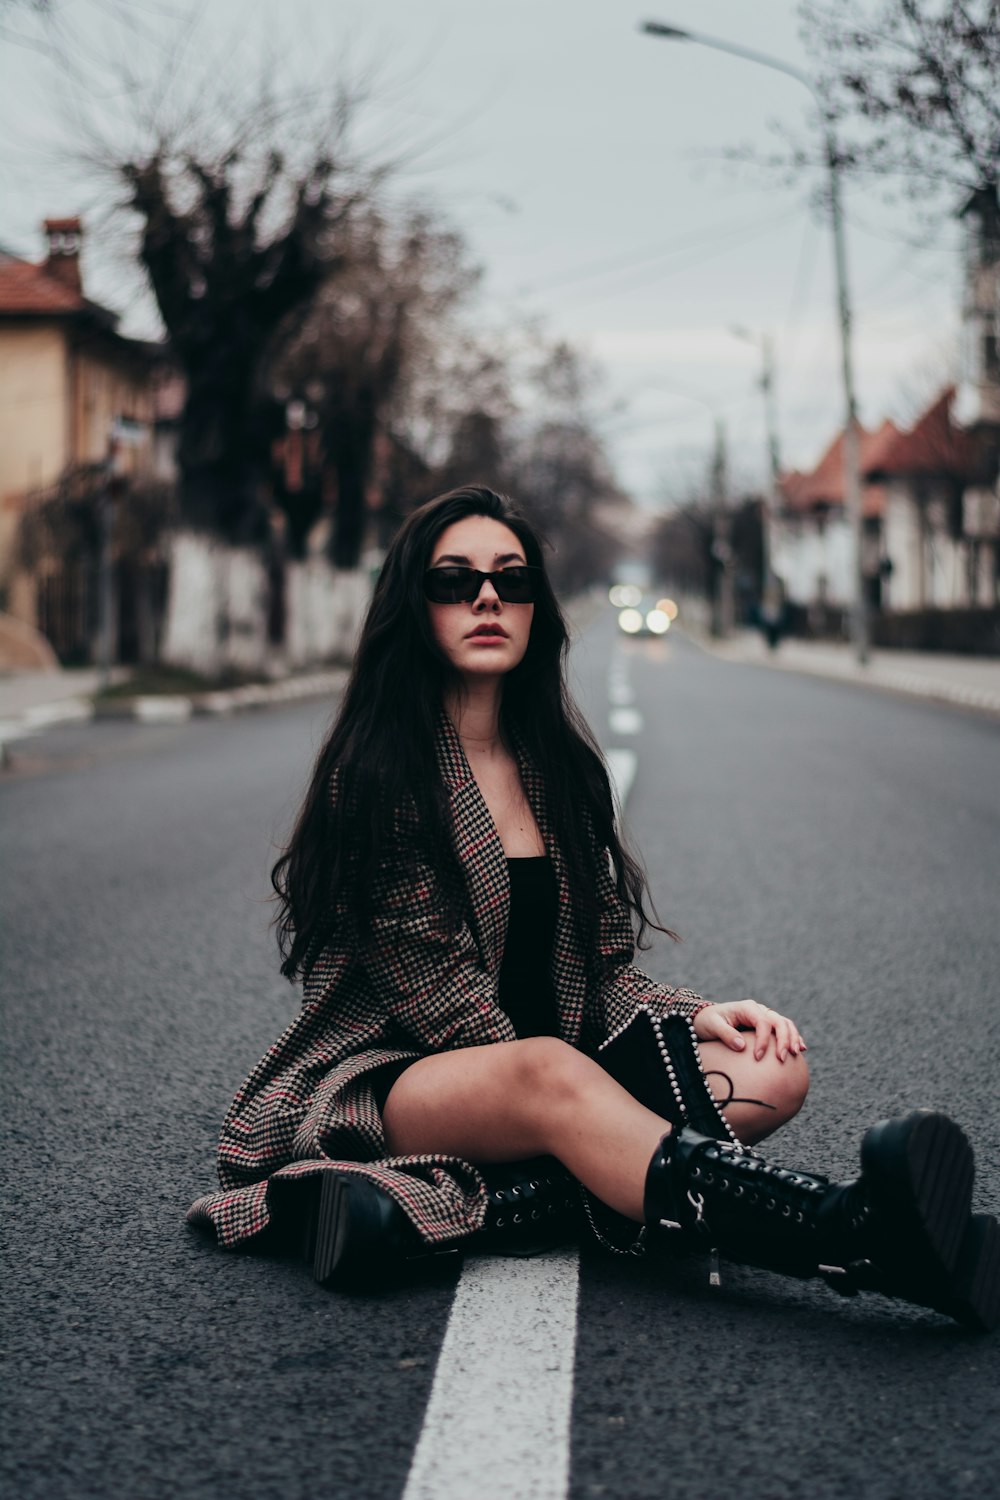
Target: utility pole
[(860, 625), (852, 443), (770, 502), (723, 610)]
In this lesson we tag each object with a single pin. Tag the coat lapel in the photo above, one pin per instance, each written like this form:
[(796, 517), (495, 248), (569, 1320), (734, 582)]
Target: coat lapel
[(478, 847), (569, 971)]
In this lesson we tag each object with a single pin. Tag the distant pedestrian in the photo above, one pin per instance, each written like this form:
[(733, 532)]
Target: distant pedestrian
[(476, 1047), (771, 612)]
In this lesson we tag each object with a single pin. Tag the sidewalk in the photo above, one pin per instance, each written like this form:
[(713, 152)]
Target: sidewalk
[(33, 701), (966, 681)]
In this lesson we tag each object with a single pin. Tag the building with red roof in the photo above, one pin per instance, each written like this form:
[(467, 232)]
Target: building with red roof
[(941, 517), (812, 543), (931, 522)]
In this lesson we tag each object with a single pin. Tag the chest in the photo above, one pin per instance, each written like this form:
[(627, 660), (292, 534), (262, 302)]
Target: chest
[(500, 786)]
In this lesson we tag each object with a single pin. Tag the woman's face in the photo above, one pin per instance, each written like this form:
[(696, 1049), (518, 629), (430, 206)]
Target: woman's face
[(485, 637)]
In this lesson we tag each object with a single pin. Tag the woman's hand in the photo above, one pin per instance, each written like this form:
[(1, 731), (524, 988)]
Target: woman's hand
[(727, 1022)]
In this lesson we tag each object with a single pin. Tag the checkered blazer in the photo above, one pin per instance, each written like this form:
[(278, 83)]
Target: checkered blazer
[(308, 1105)]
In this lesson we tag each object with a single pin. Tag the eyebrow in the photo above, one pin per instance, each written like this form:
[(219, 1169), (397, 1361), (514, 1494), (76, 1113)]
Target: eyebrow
[(499, 559)]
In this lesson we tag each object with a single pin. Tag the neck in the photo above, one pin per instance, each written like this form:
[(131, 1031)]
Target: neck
[(474, 710)]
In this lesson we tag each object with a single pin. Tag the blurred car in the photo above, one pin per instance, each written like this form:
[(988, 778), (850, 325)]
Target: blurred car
[(647, 617)]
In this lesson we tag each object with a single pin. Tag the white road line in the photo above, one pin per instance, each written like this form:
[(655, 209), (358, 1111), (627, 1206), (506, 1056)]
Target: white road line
[(622, 766), (498, 1421), (625, 720)]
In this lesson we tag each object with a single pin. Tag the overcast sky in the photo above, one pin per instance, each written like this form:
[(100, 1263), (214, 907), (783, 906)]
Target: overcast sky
[(583, 161)]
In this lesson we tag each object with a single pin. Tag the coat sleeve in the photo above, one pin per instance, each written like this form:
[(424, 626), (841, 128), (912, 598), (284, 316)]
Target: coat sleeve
[(429, 978), (622, 986)]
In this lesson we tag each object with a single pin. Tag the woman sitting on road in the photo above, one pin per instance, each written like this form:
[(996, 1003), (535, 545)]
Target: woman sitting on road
[(461, 908)]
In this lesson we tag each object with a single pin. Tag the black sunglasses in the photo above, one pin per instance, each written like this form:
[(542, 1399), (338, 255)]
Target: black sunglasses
[(459, 585)]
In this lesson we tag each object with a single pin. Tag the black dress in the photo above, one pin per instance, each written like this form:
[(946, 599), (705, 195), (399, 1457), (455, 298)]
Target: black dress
[(526, 992)]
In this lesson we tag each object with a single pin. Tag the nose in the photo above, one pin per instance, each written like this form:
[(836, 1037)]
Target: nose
[(487, 598)]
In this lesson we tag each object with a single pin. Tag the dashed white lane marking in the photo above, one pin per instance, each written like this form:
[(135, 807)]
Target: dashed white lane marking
[(498, 1420), (619, 686), (622, 766), (625, 720)]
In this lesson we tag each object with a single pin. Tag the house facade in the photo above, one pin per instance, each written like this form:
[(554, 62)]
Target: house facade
[(79, 404), (811, 539), (939, 527)]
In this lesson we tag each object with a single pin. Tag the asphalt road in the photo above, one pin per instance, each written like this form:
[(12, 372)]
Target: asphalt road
[(830, 850)]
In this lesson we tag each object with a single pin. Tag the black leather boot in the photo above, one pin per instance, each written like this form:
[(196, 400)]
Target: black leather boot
[(356, 1235), (656, 1059), (903, 1228)]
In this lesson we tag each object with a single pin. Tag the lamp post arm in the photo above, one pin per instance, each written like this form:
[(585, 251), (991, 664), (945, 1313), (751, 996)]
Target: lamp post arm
[(674, 33)]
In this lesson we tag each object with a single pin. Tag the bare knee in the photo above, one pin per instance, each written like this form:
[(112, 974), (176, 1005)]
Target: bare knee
[(758, 1096), (551, 1074), (784, 1085)]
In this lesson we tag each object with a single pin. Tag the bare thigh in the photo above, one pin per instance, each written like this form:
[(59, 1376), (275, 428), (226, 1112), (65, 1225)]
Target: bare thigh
[(481, 1103)]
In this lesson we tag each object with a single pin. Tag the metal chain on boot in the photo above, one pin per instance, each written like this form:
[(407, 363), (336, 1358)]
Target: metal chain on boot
[(657, 1059)]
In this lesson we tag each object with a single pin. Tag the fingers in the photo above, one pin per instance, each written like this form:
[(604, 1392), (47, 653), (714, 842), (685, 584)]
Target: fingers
[(723, 1022), (712, 1025), (788, 1040)]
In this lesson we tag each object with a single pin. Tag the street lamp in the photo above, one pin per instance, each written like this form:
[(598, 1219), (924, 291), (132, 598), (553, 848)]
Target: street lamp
[(852, 446)]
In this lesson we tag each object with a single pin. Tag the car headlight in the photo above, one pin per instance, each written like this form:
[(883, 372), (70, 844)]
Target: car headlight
[(630, 620), (657, 621)]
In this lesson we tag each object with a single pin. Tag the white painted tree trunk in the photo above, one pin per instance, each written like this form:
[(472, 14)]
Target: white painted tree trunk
[(217, 604), (216, 607), (324, 608)]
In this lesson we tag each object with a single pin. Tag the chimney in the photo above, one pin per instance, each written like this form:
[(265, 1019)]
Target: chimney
[(63, 261)]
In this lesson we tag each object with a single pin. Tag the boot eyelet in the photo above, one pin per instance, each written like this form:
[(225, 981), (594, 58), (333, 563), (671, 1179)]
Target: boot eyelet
[(695, 1171), (738, 1190), (785, 1211), (709, 1178), (770, 1205), (799, 1217), (723, 1185), (500, 1223), (517, 1218)]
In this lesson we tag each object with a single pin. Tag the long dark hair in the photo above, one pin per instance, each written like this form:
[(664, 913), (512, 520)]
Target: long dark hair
[(381, 753)]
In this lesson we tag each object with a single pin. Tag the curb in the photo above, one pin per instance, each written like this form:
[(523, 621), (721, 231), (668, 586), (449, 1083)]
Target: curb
[(170, 708), (907, 684)]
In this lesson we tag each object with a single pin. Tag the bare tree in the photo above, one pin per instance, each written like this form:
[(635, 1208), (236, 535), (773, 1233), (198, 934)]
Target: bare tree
[(371, 329), (916, 85), (561, 471), (229, 263)]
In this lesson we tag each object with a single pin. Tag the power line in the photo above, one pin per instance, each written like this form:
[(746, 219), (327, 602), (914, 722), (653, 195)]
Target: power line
[(609, 264)]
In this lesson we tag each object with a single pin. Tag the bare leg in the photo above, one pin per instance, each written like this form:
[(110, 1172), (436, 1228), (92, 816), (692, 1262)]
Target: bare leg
[(534, 1097)]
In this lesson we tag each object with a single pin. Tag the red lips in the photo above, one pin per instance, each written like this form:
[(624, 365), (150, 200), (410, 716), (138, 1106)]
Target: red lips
[(496, 630)]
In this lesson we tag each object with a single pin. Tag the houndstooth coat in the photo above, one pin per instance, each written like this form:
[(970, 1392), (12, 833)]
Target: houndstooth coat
[(308, 1105)]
